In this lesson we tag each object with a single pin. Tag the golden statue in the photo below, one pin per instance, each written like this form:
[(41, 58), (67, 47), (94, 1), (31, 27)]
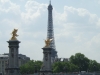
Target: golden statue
[(47, 42), (14, 34)]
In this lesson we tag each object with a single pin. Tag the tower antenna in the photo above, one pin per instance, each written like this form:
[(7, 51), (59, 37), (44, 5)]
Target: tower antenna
[(50, 1)]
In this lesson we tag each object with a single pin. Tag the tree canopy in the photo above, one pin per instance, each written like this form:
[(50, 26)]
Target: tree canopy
[(78, 62), (64, 67), (83, 63), (31, 67)]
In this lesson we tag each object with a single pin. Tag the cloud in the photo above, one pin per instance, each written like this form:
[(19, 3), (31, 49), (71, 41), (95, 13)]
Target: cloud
[(33, 10), (7, 6), (98, 23), (99, 1), (75, 29), (75, 20), (3, 1), (27, 22), (13, 17)]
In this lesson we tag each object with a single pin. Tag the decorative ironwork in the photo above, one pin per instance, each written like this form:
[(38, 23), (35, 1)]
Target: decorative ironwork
[(50, 32)]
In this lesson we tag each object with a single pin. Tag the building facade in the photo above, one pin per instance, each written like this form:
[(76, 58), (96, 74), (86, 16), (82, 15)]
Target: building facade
[(4, 58)]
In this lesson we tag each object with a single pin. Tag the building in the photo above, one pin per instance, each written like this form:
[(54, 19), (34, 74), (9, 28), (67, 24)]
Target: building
[(3, 62), (4, 58), (61, 60), (50, 33), (23, 59)]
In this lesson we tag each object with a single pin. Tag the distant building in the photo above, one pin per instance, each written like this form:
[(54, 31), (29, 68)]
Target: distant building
[(61, 59), (65, 59), (4, 58)]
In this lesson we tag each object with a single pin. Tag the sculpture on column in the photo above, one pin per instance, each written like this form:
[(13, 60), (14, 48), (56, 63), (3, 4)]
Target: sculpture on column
[(47, 42), (46, 67), (14, 34), (13, 65)]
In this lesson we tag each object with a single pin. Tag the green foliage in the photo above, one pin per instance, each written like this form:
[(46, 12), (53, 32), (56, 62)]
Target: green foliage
[(64, 67), (73, 68), (78, 62), (81, 61), (57, 67), (94, 66), (30, 67)]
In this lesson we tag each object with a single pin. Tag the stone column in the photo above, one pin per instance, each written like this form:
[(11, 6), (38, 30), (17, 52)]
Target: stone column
[(46, 67), (13, 67)]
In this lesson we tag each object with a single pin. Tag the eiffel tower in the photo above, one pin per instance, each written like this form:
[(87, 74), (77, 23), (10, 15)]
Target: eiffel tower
[(50, 33)]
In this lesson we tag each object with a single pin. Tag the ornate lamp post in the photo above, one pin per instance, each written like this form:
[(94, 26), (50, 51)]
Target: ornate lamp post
[(65, 69), (35, 66)]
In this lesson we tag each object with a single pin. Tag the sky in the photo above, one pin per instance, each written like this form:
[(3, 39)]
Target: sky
[(76, 26)]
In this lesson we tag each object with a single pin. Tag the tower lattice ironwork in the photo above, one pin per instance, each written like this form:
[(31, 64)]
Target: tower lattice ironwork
[(50, 32)]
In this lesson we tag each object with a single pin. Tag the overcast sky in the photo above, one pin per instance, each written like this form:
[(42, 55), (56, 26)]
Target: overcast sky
[(76, 26)]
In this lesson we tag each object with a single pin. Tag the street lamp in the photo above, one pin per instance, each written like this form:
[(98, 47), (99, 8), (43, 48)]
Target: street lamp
[(65, 69), (94, 68), (35, 70)]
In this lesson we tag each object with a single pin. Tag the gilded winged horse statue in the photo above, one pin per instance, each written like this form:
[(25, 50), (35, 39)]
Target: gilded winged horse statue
[(47, 42), (14, 34)]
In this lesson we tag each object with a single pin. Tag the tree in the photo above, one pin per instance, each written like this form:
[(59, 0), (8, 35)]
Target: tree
[(38, 65), (57, 67), (94, 66), (30, 67), (81, 61), (73, 68), (64, 67)]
